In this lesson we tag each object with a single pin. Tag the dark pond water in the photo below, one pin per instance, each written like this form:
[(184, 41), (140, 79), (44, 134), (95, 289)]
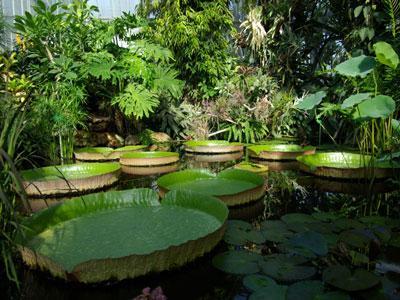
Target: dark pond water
[(288, 191)]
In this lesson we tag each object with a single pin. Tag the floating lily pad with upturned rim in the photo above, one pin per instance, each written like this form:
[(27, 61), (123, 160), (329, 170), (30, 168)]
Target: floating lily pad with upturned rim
[(150, 158), (279, 151), (69, 179), (104, 153), (212, 146), (214, 157), (251, 167), (152, 170), (232, 186), (122, 234), (346, 165)]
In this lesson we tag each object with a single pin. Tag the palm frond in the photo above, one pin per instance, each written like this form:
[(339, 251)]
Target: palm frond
[(393, 10)]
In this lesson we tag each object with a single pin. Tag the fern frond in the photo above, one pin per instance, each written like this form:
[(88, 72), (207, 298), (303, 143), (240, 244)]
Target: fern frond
[(393, 10), (136, 101)]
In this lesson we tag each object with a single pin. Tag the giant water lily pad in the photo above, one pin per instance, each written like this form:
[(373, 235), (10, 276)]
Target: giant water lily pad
[(231, 186), (148, 159), (69, 179), (279, 151), (104, 153), (237, 262), (342, 278), (122, 234), (212, 146), (346, 165), (252, 167)]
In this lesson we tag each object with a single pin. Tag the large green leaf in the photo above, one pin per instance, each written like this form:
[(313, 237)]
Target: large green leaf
[(356, 66), (68, 172), (120, 224), (227, 182), (380, 106), (257, 149), (346, 160), (311, 100), (386, 55), (355, 99), (136, 101)]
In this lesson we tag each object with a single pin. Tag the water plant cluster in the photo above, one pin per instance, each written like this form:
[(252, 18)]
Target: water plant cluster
[(313, 256)]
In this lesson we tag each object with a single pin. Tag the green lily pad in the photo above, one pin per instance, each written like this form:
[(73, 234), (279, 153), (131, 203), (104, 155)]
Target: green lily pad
[(276, 292), (231, 186), (289, 249), (305, 290), (379, 220), (239, 224), (325, 216), (286, 268), (342, 278), (315, 226), (273, 224), (297, 217), (344, 224), (255, 282), (276, 235), (101, 236), (358, 238), (237, 262), (337, 295), (383, 233), (312, 241), (236, 236)]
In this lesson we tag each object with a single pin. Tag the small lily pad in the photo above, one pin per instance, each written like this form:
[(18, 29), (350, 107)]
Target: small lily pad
[(276, 292), (312, 241), (344, 224), (325, 216), (342, 278), (255, 282), (277, 235), (379, 220), (286, 270), (305, 290), (236, 236), (358, 238), (239, 224), (237, 262), (297, 217), (273, 224)]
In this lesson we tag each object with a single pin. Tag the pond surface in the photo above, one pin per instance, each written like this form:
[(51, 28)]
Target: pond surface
[(288, 191)]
